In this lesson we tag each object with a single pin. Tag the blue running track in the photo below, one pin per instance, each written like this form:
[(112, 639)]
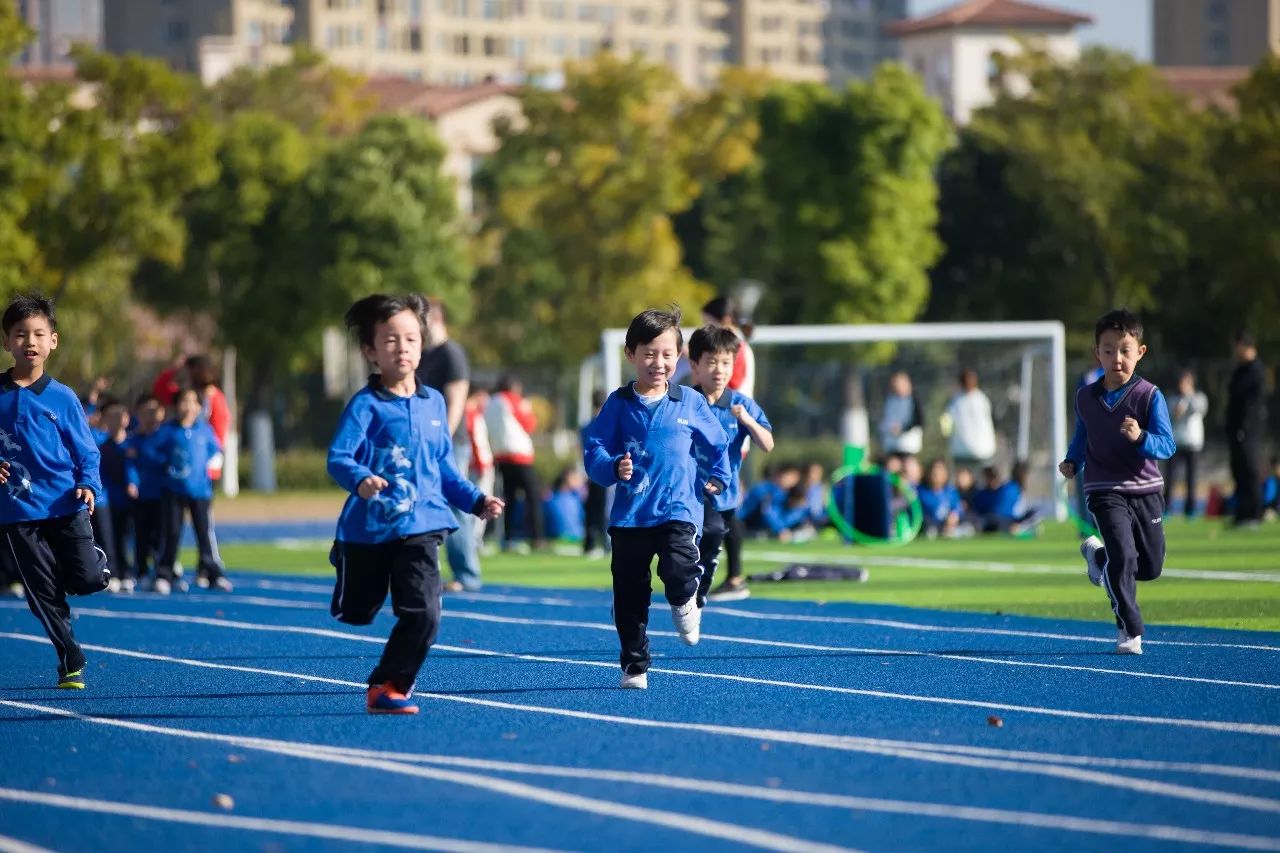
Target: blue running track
[(236, 722)]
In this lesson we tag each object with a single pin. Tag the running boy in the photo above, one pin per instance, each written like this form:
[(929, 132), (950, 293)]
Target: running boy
[(642, 441), (394, 455), (187, 444), (1122, 429), (712, 352), (49, 473)]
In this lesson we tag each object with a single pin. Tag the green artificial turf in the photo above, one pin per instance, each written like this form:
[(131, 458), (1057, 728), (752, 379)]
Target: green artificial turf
[(1042, 576)]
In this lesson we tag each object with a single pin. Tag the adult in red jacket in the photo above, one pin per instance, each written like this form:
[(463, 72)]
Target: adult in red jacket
[(511, 423), (215, 409)]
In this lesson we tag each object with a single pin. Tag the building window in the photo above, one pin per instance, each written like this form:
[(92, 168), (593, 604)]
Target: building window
[(491, 10), (519, 48), (553, 10), (640, 16), (556, 45), (587, 47), (586, 12), (415, 39), (415, 10), (175, 30), (462, 45), (639, 48), (331, 37), (853, 29), (672, 54), (383, 37), (492, 46), (1216, 12), (1218, 46), (254, 35)]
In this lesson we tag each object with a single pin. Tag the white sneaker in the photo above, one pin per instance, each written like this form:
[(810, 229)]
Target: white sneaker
[(114, 585), (162, 587), (1089, 549), (687, 618), (17, 590), (202, 582), (223, 583), (639, 681), (1128, 645), (128, 585)]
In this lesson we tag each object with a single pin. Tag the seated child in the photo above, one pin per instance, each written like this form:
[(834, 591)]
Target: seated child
[(940, 502), (563, 507), (767, 507)]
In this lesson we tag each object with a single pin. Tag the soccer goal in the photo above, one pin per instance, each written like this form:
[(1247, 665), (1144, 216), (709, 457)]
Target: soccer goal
[(824, 386)]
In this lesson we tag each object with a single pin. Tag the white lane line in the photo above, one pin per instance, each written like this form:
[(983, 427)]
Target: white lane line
[(840, 801), (997, 567), (14, 845), (837, 742), (781, 644), (1262, 729), (953, 629), (223, 821), (776, 795), (601, 626), (684, 823), (1234, 771)]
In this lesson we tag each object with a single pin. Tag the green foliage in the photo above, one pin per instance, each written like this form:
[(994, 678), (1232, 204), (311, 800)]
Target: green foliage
[(579, 199), (837, 214)]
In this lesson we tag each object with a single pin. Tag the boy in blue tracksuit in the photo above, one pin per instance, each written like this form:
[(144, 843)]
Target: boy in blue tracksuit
[(185, 445), (394, 455), (149, 467), (712, 351), (642, 441), (49, 477)]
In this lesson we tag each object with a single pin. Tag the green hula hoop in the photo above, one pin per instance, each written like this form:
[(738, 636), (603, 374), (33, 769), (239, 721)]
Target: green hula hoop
[(903, 534)]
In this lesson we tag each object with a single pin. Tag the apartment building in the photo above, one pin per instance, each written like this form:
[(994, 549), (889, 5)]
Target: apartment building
[(59, 26), (854, 37), (1214, 33), (458, 42)]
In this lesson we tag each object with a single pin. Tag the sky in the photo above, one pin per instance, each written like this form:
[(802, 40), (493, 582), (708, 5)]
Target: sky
[(1121, 24)]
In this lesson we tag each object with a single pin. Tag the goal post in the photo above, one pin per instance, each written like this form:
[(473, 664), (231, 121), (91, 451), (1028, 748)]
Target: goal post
[(1040, 339)]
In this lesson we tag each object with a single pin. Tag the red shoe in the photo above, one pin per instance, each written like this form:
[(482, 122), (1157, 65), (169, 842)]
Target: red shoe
[(386, 699)]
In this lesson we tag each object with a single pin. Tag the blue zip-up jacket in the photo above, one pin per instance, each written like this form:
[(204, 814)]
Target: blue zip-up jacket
[(938, 504), (184, 453), (45, 438), (664, 485), (405, 441), (149, 464), (738, 435)]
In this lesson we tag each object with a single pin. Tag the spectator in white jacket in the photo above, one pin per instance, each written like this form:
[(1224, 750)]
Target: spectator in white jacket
[(973, 433), (1187, 408)]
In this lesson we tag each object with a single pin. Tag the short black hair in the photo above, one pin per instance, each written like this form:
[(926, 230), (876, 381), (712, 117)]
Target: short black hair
[(507, 382), (1241, 337), (1120, 320), (26, 305), (712, 339), (367, 313), (105, 403), (720, 307), (148, 397), (647, 325)]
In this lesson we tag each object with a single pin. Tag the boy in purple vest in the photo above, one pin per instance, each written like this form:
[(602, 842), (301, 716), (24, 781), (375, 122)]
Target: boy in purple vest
[(1122, 429)]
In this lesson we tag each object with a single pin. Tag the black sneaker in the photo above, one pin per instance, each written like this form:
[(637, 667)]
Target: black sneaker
[(731, 589)]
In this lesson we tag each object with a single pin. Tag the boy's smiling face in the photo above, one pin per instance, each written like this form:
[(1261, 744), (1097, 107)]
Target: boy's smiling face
[(29, 341), (1119, 353), (655, 362)]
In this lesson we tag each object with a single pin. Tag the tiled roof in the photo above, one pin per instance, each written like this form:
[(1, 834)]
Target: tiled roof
[(402, 94), (1005, 14)]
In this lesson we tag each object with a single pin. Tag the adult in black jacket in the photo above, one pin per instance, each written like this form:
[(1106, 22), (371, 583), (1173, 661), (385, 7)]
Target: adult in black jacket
[(1246, 421)]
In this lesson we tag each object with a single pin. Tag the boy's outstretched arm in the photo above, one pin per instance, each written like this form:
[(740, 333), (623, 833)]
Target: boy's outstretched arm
[(757, 425)]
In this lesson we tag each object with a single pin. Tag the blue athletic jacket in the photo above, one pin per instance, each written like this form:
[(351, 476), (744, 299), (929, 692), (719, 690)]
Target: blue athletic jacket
[(117, 469), (45, 438), (738, 435), (405, 441), (183, 454), (149, 464), (665, 485)]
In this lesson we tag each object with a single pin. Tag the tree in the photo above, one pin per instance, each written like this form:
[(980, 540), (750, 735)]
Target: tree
[(578, 204), (837, 214), (1113, 165)]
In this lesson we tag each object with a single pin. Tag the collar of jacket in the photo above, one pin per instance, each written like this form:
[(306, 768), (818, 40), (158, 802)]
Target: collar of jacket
[(673, 391), (7, 383), (380, 391)]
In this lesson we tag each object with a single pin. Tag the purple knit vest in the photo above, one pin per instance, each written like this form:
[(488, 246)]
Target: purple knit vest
[(1112, 463)]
